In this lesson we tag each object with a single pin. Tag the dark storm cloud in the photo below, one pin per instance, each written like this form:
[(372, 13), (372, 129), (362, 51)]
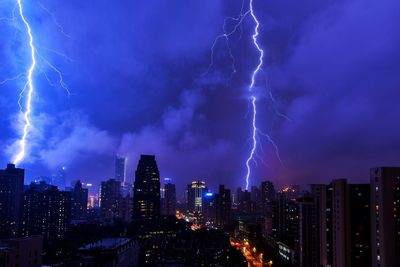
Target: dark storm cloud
[(137, 84), (347, 67)]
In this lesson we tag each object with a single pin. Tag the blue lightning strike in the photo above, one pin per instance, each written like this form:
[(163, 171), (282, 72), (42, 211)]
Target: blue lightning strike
[(253, 100), (255, 131), (36, 64), (29, 85), (254, 140), (226, 34)]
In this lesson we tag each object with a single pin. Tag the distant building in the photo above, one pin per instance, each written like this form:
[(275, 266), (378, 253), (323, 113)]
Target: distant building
[(120, 169), (169, 199), (146, 197), (209, 208), (256, 198), (22, 252), (110, 197), (196, 191), (79, 201), (223, 205), (385, 216), (245, 205), (46, 211), (11, 190), (267, 192), (125, 209)]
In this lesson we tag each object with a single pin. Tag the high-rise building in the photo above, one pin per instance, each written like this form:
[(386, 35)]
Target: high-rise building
[(308, 248), (223, 206), (319, 193), (245, 205), (146, 196), (125, 209), (196, 191), (46, 211), (120, 169), (169, 199), (360, 226), (267, 192), (110, 197), (11, 190), (343, 223), (79, 200), (385, 216), (209, 207), (256, 199), (287, 218)]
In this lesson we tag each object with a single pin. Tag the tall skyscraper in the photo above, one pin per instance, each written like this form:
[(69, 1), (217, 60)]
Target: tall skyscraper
[(360, 226), (11, 190), (169, 200), (120, 169), (46, 211), (110, 197), (319, 193), (343, 223), (209, 207), (308, 248), (267, 192), (245, 205), (385, 216), (196, 191), (79, 199), (146, 196), (223, 205), (256, 198)]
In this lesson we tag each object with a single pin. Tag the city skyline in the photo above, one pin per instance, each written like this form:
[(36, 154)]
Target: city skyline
[(339, 223), (139, 84)]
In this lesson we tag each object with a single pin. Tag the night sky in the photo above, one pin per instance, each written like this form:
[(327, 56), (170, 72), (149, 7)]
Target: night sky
[(137, 72)]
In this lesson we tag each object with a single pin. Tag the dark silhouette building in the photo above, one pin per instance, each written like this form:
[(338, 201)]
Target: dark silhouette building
[(21, 252), (46, 211), (169, 200), (79, 199), (110, 197), (209, 207), (245, 205), (223, 205), (267, 193), (343, 223), (11, 190), (308, 248), (385, 216), (360, 226), (146, 197)]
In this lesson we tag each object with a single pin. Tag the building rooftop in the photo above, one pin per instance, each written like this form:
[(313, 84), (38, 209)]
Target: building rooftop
[(106, 244)]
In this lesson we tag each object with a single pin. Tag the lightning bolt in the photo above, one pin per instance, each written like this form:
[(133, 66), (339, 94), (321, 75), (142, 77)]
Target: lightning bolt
[(226, 34), (37, 64), (29, 85), (255, 131)]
